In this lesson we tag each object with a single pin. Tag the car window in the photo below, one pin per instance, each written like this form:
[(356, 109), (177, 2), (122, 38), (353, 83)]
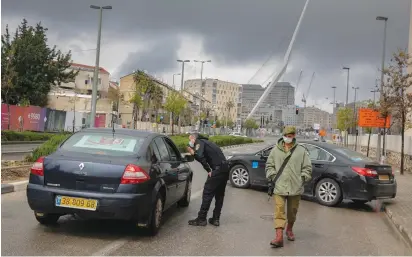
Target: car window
[(164, 153), (353, 156), (103, 144), (153, 153), (173, 154), (317, 153)]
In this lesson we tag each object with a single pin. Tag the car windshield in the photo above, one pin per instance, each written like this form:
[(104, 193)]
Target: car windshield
[(103, 144), (354, 156)]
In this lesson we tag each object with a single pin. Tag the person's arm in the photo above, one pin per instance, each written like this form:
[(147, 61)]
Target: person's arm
[(306, 167), (271, 166), (200, 156)]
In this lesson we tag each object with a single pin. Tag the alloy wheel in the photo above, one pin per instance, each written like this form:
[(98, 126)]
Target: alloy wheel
[(240, 177), (327, 192)]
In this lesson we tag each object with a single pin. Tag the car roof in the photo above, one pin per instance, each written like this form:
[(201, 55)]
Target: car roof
[(325, 145), (124, 131)]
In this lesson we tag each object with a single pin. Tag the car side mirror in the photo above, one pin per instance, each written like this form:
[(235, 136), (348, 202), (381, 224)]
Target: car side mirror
[(188, 158)]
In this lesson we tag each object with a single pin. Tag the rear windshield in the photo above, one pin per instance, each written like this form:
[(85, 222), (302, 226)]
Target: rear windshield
[(353, 156), (103, 144)]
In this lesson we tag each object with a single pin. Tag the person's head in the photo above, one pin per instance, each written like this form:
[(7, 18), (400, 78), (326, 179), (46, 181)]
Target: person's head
[(192, 138), (289, 134)]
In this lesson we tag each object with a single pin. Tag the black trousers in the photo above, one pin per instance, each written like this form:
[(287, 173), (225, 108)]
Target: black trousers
[(215, 186)]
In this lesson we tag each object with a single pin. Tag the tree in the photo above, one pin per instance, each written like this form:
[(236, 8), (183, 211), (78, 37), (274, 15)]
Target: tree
[(230, 123), (345, 120), (229, 106), (249, 125), (157, 100), (175, 103), (396, 84), (31, 66), (145, 87)]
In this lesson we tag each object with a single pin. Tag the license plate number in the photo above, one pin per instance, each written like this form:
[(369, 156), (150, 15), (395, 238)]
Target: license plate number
[(383, 177), (76, 203)]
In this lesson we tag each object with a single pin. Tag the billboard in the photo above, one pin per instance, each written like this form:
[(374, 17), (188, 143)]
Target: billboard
[(4, 117), (16, 117), (34, 118), (371, 118)]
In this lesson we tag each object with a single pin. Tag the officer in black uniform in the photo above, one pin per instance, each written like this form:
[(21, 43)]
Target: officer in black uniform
[(214, 162)]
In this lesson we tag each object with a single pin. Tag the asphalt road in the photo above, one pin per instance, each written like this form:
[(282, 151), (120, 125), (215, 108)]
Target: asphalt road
[(246, 229), (16, 152)]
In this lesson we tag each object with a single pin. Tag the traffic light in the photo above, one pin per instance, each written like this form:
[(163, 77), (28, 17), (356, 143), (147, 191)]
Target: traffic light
[(297, 111), (271, 117)]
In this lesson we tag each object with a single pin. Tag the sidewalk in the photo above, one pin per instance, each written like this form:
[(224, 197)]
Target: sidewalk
[(399, 210)]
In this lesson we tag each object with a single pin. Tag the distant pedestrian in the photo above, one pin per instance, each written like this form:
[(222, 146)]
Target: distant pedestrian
[(214, 162), (288, 167)]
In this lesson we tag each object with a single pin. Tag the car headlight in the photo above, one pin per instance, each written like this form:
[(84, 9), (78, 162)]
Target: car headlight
[(228, 157)]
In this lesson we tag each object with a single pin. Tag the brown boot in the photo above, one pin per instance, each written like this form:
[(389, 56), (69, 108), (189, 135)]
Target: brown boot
[(278, 241), (289, 232)]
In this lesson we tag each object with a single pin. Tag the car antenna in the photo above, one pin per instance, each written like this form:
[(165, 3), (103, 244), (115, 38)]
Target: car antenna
[(113, 127)]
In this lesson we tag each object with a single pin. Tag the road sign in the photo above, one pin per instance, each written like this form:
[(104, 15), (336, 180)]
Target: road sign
[(370, 118), (316, 126)]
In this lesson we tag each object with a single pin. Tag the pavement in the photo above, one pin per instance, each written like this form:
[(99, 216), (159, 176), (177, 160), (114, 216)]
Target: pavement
[(246, 229)]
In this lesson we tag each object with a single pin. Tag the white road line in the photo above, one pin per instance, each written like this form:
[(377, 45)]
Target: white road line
[(113, 246)]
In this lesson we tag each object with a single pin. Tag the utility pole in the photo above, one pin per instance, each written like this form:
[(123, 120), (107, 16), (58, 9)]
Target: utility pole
[(378, 149), (334, 96), (183, 74), (347, 86), (201, 84), (96, 67)]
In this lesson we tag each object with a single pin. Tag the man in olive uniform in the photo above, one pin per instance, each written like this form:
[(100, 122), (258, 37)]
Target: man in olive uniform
[(289, 186), (214, 162)]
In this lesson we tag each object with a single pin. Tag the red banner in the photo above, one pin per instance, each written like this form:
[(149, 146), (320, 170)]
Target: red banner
[(4, 117), (100, 121), (34, 118), (16, 117)]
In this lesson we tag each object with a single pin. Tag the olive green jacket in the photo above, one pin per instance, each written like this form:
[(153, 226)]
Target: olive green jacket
[(297, 171)]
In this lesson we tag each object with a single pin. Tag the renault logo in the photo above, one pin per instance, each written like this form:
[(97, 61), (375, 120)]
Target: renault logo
[(81, 166)]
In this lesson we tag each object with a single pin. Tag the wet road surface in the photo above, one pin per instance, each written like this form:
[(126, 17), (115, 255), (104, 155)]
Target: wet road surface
[(246, 229)]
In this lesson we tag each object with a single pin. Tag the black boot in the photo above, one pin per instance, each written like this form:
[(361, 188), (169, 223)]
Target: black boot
[(198, 222), (214, 221)]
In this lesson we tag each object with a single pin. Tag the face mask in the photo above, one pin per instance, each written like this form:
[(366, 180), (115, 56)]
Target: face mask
[(191, 144), (287, 140)]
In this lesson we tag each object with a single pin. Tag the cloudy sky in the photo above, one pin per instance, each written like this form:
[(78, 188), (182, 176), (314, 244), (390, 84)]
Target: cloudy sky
[(245, 39)]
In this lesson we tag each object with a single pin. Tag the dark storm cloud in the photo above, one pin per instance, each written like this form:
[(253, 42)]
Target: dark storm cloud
[(334, 32)]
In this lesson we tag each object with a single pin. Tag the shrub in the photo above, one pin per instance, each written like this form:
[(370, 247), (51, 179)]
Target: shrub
[(47, 148), (8, 135)]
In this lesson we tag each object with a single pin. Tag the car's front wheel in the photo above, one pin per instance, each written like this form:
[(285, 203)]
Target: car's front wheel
[(46, 218), (328, 192), (239, 176)]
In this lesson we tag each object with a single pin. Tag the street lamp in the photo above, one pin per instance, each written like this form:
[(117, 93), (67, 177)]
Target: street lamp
[(347, 86), (183, 73), (385, 19), (334, 96), (96, 67), (201, 72), (176, 74)]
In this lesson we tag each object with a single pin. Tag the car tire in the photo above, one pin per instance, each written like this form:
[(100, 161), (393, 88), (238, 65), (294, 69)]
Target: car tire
[(359, 202), (185, 201), (328, 192), (46, 218), (156, 216), (239, 176)]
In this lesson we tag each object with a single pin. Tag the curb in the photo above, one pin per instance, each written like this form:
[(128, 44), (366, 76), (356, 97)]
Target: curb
[(14, 187), (12, 152), (404, 232), (22, 142)]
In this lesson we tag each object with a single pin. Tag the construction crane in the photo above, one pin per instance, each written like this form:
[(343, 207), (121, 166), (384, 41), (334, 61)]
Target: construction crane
[(310, 85), (297, 83)]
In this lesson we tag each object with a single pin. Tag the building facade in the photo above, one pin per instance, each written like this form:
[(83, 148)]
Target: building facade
[(310, 116), (219, 93)]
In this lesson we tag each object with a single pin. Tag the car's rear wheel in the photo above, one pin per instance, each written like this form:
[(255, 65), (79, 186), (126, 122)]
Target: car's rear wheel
[(46, 218), (239, 176), (156, 216), (185, 201), (328, 192)]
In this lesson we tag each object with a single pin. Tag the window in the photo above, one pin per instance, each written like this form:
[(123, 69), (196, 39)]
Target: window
[(174, 155), (103, 144), (164, 153), (153, 153), (354, 156), (318, 154)]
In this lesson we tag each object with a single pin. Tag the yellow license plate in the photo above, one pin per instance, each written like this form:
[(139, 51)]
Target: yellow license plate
[(383, 177), (76, 203)]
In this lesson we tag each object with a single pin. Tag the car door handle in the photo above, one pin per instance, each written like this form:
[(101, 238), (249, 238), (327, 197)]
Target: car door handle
[(318, 165)]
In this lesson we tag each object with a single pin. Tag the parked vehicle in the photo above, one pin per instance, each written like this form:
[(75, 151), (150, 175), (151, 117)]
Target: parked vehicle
[(99, 173), (237, 134), (338, 173)]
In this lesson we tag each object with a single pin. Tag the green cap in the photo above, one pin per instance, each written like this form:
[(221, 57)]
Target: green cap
[(289, 130)]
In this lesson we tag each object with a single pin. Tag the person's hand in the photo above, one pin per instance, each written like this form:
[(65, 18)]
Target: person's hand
[(190, 150), (209, 174)]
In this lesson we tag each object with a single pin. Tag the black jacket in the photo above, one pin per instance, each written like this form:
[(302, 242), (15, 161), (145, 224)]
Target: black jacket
[(208, 154)]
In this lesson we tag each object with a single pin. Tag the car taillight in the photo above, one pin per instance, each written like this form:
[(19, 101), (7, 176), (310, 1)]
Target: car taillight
[(133, 174), (366, 172), (37, 168)]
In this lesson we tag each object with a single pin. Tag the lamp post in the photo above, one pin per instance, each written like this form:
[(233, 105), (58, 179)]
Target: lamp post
[(183, 73), (385, 19), (347, 86), (176, 74), (201, 73), (96, 67)]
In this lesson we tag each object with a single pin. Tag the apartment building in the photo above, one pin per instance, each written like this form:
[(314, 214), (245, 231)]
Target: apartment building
[(219, 93), (311, 115), (76, 95), (409, 131), (199, 104), (289, 116)]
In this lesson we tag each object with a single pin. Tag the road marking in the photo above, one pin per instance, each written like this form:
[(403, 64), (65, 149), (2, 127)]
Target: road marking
[(113, 246)]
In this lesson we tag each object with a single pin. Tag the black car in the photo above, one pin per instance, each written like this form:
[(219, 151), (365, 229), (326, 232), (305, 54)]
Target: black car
[(338, 173), (100, 173)]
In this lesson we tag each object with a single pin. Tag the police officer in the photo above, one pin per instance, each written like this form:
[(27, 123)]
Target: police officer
[(214, 162)]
